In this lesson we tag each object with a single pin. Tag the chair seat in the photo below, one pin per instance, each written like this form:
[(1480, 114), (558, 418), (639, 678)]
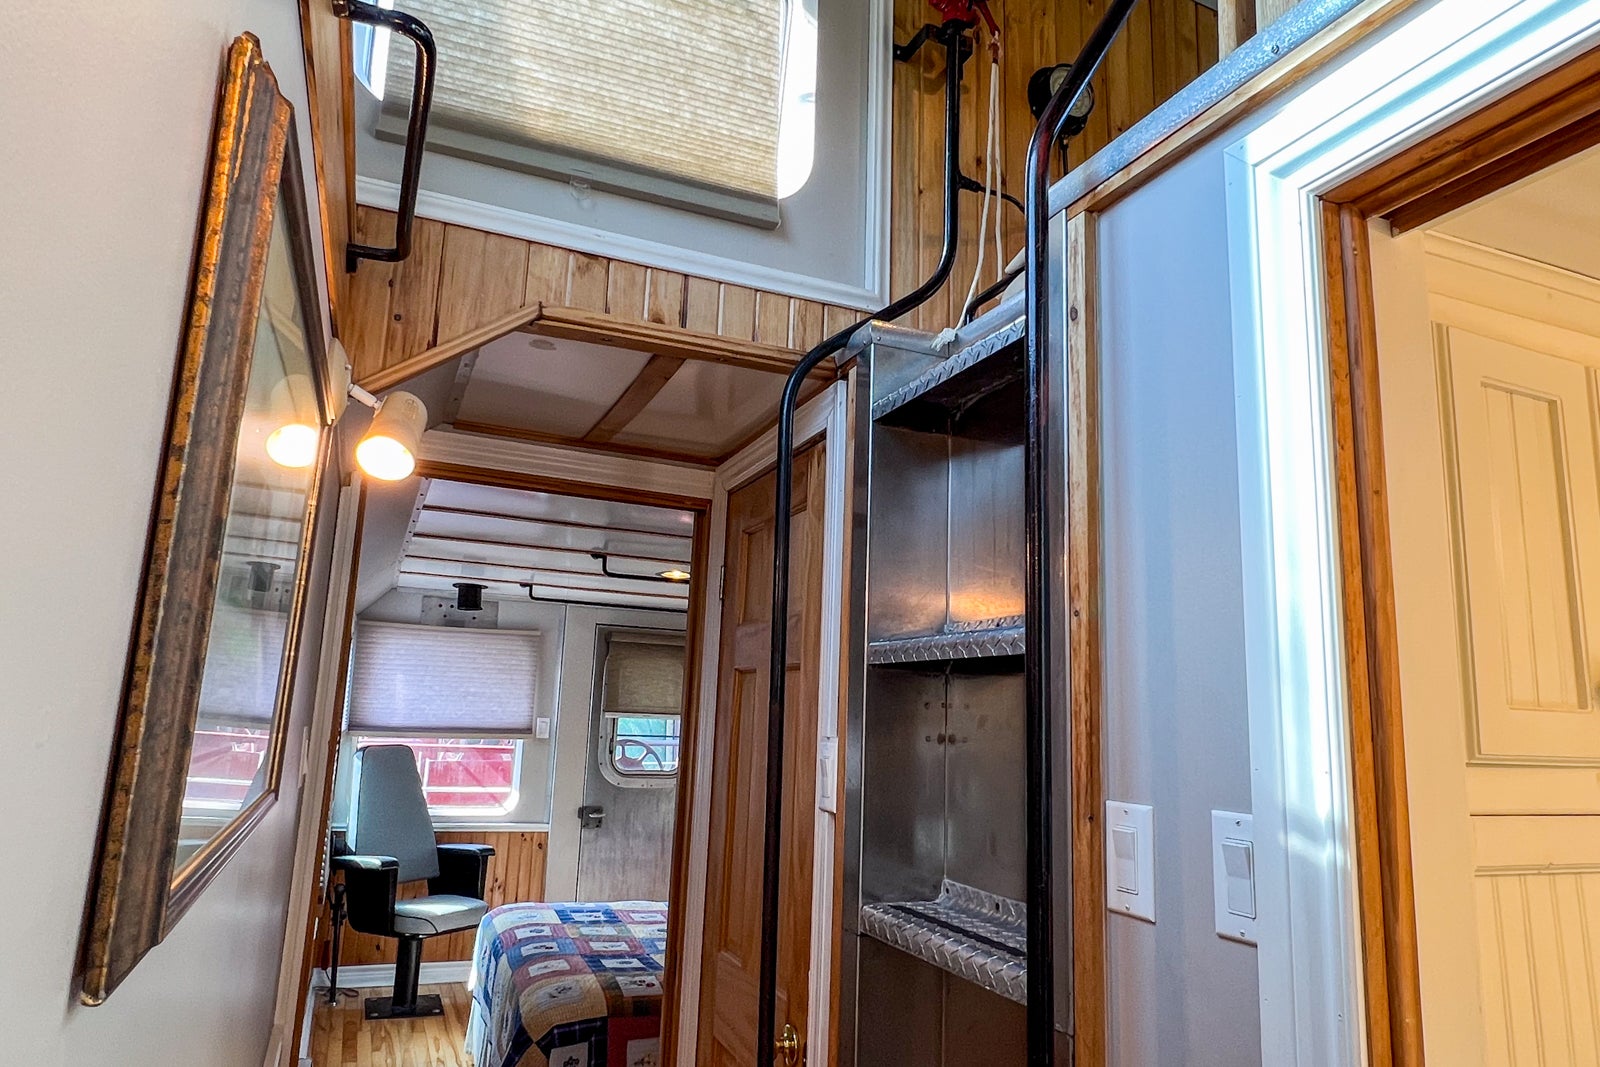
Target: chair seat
[(437, 914)]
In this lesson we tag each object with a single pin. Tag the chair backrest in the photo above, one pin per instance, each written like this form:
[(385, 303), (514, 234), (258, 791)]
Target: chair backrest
[(390, 813)]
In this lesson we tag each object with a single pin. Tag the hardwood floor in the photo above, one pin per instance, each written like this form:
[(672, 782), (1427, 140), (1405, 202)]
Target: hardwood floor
[(340, 1037)]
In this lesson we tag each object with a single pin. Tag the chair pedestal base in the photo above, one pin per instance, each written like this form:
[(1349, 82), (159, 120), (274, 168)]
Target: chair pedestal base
[(385, 1008)]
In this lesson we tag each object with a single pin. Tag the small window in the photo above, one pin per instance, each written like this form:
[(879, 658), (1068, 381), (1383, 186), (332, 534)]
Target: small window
[(463, 777), (641, 708), (223, 766), (643, 746)]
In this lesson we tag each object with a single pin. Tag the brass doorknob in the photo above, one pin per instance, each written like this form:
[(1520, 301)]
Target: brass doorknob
[(788, 1046)]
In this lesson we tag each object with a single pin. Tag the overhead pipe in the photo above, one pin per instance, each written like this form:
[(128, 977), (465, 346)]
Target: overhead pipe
[(1038, 640), (414, 30), (953, 35)]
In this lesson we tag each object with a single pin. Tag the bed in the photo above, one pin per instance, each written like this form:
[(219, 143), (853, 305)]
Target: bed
[(568, 985)]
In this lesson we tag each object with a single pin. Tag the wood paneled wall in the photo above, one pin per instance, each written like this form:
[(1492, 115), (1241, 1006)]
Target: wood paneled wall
[(1165, 46), (516, 873), (459, 280)]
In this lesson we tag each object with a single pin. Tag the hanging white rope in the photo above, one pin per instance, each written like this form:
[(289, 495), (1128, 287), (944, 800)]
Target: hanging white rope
[(991, 183)]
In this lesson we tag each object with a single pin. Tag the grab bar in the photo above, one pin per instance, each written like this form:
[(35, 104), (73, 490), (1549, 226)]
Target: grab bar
[(413, 29), (1037, 640), (952, 34)]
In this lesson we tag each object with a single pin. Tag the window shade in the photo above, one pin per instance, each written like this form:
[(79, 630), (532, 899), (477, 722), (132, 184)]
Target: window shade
[(439, 681), (643, 676), (244, 656), (688, 90)]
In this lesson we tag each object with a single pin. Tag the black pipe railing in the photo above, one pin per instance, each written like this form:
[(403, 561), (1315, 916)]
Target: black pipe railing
[(413, 29), (953, 35), (1038, 640)]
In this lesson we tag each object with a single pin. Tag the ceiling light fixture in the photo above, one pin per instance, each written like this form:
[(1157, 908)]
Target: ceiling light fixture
[(295, 442), (674, 574), (469, 595)]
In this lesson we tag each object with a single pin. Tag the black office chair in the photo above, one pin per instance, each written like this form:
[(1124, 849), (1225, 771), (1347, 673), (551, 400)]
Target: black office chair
[(391, 842)]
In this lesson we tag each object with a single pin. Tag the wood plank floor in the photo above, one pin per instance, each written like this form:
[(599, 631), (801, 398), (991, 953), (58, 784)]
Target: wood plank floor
[(340, 1037)]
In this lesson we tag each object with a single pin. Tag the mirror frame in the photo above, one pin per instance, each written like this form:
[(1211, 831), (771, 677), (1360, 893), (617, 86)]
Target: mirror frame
[(135, 898)]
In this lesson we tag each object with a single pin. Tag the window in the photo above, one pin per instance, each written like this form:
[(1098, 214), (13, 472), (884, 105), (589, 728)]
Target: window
[(705, 106), (641, 708), (461, 699), (466, 776)]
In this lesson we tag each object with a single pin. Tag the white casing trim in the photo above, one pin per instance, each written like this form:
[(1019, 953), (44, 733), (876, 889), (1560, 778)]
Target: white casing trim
[(826, 416), (381, 975), (1442, 62), (459, 211), (567, 464)]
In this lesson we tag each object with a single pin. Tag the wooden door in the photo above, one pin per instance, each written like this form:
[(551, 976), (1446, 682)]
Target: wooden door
[(732, 946), (1493, 460)]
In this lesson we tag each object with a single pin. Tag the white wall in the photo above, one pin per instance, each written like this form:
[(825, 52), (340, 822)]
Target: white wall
[(1177, 721), (106, 115)]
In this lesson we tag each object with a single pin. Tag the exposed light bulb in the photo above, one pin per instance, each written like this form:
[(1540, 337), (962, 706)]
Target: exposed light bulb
[(674, 575), (385, 458), (293, 445), (389, 450)]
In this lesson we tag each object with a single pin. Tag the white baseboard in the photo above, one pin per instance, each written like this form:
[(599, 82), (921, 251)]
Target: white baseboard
[(375, 975)]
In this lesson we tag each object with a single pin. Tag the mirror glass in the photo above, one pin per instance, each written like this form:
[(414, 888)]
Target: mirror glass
[(237, 739)]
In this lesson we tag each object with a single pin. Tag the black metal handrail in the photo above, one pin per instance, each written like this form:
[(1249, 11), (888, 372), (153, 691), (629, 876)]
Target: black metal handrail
[(953, 35), (1037, 639), (413, 29)]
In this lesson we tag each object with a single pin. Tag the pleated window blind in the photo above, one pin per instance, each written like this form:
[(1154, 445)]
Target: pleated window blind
[(244, 657), (438, 681), (685, 90), (643, 676)]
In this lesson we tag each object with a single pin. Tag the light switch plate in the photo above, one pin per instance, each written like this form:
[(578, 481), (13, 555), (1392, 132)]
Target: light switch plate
[(1233, 875), (541, 728), (1130, 860), (828, 774)]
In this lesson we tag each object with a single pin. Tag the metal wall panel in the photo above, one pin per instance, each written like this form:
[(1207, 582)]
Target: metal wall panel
[(908, 535), (903, 786), (984, 818)]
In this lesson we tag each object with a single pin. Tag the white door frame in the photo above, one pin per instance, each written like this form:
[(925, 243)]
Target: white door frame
[(824, 416), (313, 783), (1429, 70)]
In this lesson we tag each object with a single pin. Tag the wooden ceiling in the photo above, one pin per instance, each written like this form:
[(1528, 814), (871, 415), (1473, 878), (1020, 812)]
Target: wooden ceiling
[(688, 407), (507, 539)]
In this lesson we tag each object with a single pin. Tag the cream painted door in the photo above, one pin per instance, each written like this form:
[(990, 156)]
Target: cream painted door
[(1491, 446)]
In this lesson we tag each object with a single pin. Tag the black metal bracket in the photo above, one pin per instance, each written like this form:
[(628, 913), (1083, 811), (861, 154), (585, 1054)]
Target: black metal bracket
[(954, 36), (605, 569), (413, 29), (944, 33)]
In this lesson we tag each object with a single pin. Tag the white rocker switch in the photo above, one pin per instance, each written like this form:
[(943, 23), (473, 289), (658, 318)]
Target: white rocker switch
[(1130, 860), (1233, 863)]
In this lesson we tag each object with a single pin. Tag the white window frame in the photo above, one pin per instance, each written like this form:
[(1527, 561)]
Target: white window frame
[(650, 234), (452, 816), (605, 753)]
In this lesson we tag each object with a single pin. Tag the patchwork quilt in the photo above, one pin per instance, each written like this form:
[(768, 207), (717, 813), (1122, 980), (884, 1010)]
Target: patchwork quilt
[(569, 985)]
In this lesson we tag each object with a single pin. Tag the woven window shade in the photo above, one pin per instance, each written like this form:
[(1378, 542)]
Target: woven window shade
[(244, 657), (439, 681), (643, 676), (686, 90)]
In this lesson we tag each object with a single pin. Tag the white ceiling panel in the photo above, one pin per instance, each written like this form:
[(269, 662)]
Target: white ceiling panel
[(546, 384)]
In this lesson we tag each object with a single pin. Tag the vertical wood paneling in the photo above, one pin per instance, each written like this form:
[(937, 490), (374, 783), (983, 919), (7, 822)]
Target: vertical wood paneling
[(483, 276), (772, 319), (738, 313), (586, 282), (702, 305), (548, 268), (1163, 48), (516, 874), (414, 294), (625, 290), (365, 320), (664, 298)]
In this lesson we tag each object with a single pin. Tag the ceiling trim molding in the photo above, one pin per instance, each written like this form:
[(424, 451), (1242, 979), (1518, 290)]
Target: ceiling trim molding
[(569, 467)]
